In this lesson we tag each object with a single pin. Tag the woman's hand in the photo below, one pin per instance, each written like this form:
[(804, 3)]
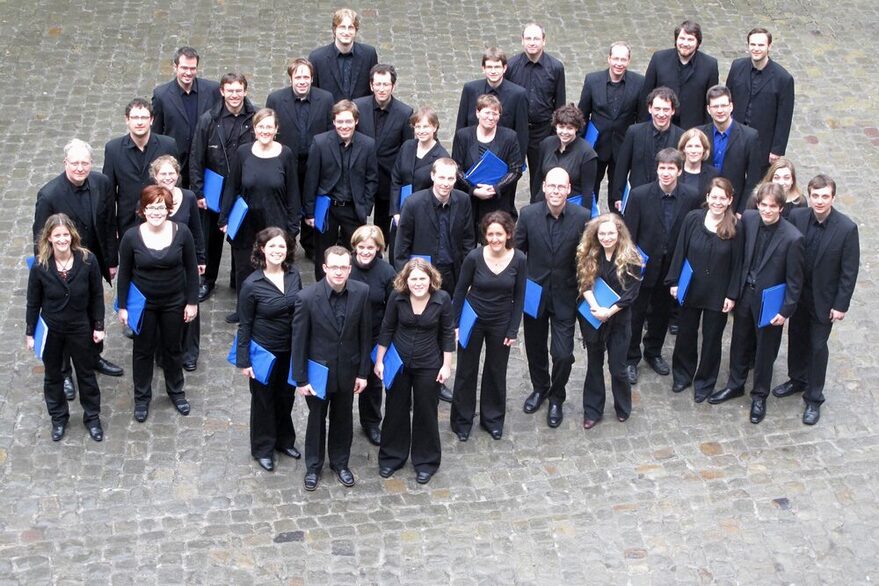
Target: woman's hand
[(123, 316), (484, 191), (98, 336), (602, 314), (445, 373), (189, 312), (248, 372), (305, 391), (201, 269), (509, 342), (673, 291), (379, 370), (29, 340), (728, 305)]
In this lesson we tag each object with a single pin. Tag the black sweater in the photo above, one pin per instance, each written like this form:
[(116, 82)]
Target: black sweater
[(72, 306), (166, 277)]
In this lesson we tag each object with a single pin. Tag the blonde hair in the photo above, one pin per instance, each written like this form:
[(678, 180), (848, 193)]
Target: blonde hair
[(627, 260), (44, 247)]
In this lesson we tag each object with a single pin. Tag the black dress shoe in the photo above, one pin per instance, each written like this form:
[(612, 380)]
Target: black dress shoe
[(758, 410), (182, 406), (554, 415), (786, 389), (700, 397), (533, 402), (190, 365), (679, 387), (445, 394), (812, 414), (386, 471), (373, 435), (658, 365), (204, 291), (345, 477), (632, 374), (423, 477), (69, 389), (311, 481), (106, 367), (463, 436), (97, 432), (725, 395), (232, 318), (290, 452), (141, 412), (267, 464), (589, 423), (622, 418), (496, 434), (58, 430)]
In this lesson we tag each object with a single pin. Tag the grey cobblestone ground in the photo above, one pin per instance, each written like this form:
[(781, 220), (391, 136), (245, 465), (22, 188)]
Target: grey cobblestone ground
[(682, 493)]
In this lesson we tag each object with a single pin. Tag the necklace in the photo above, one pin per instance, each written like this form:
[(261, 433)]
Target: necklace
[(64, 267)]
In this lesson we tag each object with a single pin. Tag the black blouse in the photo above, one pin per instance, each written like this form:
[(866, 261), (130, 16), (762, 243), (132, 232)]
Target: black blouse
[(497, 299), (188, 214), (266, 314), (75, 305), (379, 275), (419, 339), (166, 277), (579, 160)]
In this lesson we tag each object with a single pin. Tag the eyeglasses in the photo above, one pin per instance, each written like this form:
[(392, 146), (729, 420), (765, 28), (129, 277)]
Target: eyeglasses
[(156, 208), (336, 268), (140, 118), (79, 164)]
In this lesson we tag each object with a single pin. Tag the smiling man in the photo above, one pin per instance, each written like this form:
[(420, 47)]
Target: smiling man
[(342, 67)]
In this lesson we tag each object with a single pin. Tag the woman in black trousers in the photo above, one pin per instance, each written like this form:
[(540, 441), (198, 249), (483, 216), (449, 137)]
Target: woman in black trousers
[(265, 306), (566, 149), (492, 280), (158, 256), (710, 241), (64, 286), (418, 321), (606, 250), (368, 245)]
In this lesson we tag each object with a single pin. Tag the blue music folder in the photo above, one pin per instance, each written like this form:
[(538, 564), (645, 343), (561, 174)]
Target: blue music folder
[(591, 134), (41, 332), (604, 295), (644, 259), (30, 260), (317, 378), (261, 360), (465, 323), (595, 209), (236, 217), (488, 170), (393, 364), (533, 293), (773, 300), (576, 199), (321, 210), (684, 281), (425, 257), (405, 192), (625, 199), (135, 305), (213, 189)]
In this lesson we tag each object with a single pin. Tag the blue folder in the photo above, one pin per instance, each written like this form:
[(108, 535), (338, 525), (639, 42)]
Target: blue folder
[(595, 209), (405, 192), (533, 292), (261, 360), (317, 378), (465, 323), (30, 262), (644, 258), (135, 305), (321, 209), (576, 199), (488, 170), (392, 361), (591, 134), (684, 281), (236, 217), (625, 199), (426, 257), (41, 332), (213, 189), (773, 300), (604, 295)]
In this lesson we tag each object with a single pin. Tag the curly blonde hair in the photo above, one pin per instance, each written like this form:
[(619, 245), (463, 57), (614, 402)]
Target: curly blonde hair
[(627, 261)]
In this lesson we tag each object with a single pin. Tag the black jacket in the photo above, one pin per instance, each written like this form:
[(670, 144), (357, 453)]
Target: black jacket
[(395, 132), (637, 157), (741, 164), (418, 232), (320, 117), (74, 305), (326, 70), (325, 170), (209, 145), (514, 100), (663, 71), (169, 114), (611, 128), (405, 173)]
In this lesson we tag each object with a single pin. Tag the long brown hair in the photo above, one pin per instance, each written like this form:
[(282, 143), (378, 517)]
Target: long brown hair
[(627, 260), (726, 229), (44, 247)]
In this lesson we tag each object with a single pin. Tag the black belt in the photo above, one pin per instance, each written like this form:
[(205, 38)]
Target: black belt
[(341, 204)]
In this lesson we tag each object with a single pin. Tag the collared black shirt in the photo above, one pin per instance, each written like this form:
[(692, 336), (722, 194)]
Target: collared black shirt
[(444, 216), (379, 116), (345, 62), (755, 77), (814, 234), (616, 91), (342, 190), (302, 110), (266, 313), (662, 139), (685, 71), (339, 305), (765, 234), (545, 82), (420, 339), (668, 201), (190, 105), (231, 125)]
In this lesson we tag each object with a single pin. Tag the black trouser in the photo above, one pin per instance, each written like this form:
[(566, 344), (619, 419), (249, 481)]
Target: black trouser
[(163, 324), (380, 217), (653, 305), (192, 339), (66, 369), (807, 352), (536, 133), (271, 424), (750, 341), (83, 353), (415, 389), (616, 341), (306, 232), (687, 365), (603, 167), (338, 405), (561, 348), (242, 266), (341, 223), (450, 278), (370, 402), (493, 390), (214, 238)]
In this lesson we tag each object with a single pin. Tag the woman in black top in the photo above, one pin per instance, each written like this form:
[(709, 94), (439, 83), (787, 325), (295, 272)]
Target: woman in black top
[(570, 152), (266, 310), (165, 171), (416, 157), (697, 173), (492, 280), (368, 245), (710, 241), (158, 256), (782, 172), (265, 175), (418, 321), (606, 250), (64, 286)]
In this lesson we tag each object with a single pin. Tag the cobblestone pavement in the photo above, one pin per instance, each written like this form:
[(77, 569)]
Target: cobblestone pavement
[(682, 493)]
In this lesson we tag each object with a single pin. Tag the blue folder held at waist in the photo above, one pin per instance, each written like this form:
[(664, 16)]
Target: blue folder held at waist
[(321, 210), (644, 259), (591, 134), (29, 261), (488, 170), (684, 281), (625, 200), (236, 217), (533, 293), (213, 189), (465, 323), (392, 362), (405, 192), (41, 332), (772, 302), (595, 210), (261, 360), (317, 378), (604, 295), (135, 305)]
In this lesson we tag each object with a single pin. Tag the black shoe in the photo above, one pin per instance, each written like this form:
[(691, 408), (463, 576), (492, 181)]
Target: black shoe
[(589, 423), (141, 412), (106, 367), (812, 414), (679, 387), (69, 389), (204, 291), (496, 434), (267, 464), (700, 397), (658, 365), (182, 406), (423, 477), (554, 415), (787, 389), (673, 329), (345, 477), (96, 431), (758, 410), (58, 430), (622, 418), (290, 452), (128, 332), (463, 436), (190, 365), (386, 471), (232, 318), (445, 394), (725, 395), (311, 481), (632, 374), (533, 402), (373, 434)]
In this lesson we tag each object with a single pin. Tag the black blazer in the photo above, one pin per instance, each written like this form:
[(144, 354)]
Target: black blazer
[(326, 70), (594, 105), (555, 269), (74, 305), (663, 71), (405, 173), (835, 267), (395, 132), (772, 106), (169, 114), (325, 170), (418, 232), (637, 157), (316, 337), (644, 220), (741, 164), (514, 100), (320, 115), (212, 149), (55, 197)]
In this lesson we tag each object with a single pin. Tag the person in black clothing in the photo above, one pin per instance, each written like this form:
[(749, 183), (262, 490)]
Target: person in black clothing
[(64, 288), (698, 173), (159, 258), (264, 174), (784, 173), (570, 152), (369, 267), (418, 321), (266, 310), (606, 251), (342, 67), (712, 243), (492, 281)]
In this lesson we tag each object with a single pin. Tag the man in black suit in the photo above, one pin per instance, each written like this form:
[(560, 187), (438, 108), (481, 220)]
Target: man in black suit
[(341, 165), (610, 100), (636, 165), (832, 252), (385, 119), (513, 97), (548, 232), (178, 105), (773, 256), (331, 326), (734, 149), (687, 71), (127, 160), (763, 92), (654, 216), (218, 135), (87, 199), (543, 77), (342, 67)]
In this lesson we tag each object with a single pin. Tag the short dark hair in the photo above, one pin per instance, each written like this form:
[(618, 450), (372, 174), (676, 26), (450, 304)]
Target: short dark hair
[(233, 77), (152, 193), (338, 251), (258, 257), (691, 28), (502, 218), (187, 52), (138, 103), (664, 93), (821, 181), (494, 54), (382, 69), (569, 114), (717, 91), (346, 106), (772, 191), (297, 63), (671, 156), (759, 30)]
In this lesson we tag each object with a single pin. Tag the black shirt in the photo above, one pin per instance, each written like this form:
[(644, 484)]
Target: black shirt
[(231, 125), (616, 91), (190, 106), (814, 234), (544, 81), (420, 339), (379, 275), (342, 189), (497, 298), (166, 277), (339, 304), (443, 212), (344, 61), (302, 108), (266, 314), (764, 236)]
